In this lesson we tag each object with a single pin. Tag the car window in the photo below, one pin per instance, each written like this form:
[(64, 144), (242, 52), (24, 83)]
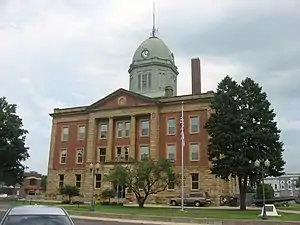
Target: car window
[(36, 220)]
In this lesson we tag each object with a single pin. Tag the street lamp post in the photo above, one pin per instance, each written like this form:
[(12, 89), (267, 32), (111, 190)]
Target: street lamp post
[(263, 165), (94, 169)]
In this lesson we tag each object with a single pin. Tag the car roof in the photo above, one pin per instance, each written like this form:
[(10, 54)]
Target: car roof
[(36, 209)]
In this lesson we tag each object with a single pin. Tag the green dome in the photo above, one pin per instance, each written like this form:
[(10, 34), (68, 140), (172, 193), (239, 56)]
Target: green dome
[(155, 48)]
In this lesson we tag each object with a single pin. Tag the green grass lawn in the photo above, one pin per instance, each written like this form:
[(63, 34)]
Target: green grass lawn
[(202, 212), (295, 207), (175, 212)]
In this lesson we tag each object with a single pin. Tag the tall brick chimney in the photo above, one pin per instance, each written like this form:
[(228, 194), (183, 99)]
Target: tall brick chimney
[(196, 76)]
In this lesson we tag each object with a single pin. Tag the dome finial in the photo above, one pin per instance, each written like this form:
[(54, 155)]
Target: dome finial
[(154, 29)]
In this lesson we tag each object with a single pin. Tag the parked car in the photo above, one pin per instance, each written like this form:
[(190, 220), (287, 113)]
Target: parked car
[(192, 199), (36, 214)]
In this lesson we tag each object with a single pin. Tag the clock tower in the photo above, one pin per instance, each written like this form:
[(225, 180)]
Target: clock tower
[(153, 69)]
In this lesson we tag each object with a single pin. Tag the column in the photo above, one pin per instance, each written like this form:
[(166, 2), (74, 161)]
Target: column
[(110, 138), (52, 174), (154, 135), (52, 144), (132, 148), (89, 157), (90, 148)]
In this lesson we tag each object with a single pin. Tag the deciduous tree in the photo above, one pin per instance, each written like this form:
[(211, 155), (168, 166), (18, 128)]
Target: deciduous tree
[(242, 129), (144, 178), (70, 191), (13, 151)]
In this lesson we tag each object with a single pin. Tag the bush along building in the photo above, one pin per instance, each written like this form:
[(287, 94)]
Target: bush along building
[(128, 125)]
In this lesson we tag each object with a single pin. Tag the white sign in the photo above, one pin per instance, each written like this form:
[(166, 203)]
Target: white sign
[(270, 210)]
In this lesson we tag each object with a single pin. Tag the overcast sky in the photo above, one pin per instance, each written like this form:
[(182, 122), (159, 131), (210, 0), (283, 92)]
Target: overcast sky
[(56, 53)]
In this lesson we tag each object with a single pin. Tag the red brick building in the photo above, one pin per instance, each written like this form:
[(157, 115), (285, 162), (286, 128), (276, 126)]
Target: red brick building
[(128, 125)]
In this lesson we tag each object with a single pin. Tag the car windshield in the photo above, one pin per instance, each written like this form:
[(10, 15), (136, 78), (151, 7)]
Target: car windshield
[(37, 220)]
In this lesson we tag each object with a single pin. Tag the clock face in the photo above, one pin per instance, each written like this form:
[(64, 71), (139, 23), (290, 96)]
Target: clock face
[(145, 53)]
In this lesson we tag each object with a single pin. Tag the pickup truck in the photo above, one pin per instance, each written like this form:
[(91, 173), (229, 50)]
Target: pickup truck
[(192, 199)]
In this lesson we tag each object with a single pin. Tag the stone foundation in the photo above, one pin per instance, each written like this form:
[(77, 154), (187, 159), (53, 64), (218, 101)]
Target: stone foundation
[(208, 183)]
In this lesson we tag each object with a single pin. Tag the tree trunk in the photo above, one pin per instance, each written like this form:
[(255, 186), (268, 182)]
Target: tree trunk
[(243, 190), (141, 201)]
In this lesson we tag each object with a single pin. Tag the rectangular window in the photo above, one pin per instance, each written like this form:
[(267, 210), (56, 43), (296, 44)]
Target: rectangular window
[(119, 129), (195, 181), (81, 132), (126, 153), (194, 152), (194, 124), (78, 180), (171, 182), (98, 181), (149, 80), (61, 179), (102, 154), (139, 82), (65, 133), (171, 149), (63, 156), (119, 152), (144, 152), (103, 130), (144, 81), (79, 157), (127, 129), (144, 128), (171, 126)]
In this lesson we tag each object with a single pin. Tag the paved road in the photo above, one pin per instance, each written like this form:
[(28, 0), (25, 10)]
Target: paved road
[(92, 222)]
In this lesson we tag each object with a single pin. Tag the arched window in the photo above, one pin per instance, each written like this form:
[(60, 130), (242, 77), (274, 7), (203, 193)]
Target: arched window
[(282, 185), (289, 184)]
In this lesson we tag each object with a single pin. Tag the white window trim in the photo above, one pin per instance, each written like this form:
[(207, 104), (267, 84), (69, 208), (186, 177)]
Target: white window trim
[(171, 118), (168, 152), (141, 127), (78, 181), (64, 150), (195, 181), (117, 129), (171, 189), (140, 150), (128, 121), (100, 130), (62, 133), (96, 181), (282, 182), (289, 185), (190, 124), (79, 133), (77, 151), (190, 148)]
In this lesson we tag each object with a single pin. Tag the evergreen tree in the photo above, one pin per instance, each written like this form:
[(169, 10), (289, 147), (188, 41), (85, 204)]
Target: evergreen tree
[(242, 129), (12, 144)]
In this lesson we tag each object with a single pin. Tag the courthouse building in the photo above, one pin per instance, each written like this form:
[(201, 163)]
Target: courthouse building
[(128, 125)]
